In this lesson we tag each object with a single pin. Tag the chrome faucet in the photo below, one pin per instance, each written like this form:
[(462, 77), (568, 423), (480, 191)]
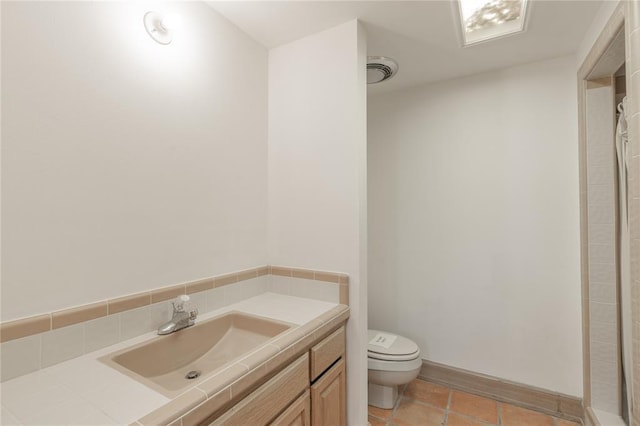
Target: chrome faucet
[(181, 318)]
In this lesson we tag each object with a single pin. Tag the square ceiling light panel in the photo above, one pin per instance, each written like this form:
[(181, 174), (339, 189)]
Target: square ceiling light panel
[(483, 20)]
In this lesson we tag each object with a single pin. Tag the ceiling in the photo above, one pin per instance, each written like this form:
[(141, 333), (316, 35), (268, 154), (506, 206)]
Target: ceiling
[(421, 36)]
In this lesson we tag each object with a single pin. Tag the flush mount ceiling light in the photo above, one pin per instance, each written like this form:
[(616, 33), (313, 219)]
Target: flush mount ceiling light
[(161, 28), (380, 68), (482, 20)]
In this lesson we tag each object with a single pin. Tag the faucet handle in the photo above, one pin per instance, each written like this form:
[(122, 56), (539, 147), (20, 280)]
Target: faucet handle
[(193, 314), (178, 303)]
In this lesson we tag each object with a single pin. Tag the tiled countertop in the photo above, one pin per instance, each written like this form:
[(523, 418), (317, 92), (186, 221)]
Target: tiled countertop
[(84, 391)]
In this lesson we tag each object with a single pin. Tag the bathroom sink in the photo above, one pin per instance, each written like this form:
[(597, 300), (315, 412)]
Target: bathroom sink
[(169, 363)]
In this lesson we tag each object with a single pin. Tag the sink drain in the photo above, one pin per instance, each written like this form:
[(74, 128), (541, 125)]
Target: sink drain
[(192, 375)]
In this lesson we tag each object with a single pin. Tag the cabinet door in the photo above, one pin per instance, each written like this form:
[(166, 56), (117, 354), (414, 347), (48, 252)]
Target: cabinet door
[(328, 398), (298, 413), (264, 404)]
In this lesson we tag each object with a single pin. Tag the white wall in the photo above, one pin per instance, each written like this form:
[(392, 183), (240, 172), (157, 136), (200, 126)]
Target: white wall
[(127, 165), (599, 21), (317, 172), (474, 222)]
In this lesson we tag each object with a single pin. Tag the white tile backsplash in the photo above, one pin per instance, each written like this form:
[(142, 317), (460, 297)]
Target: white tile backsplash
[(135, 322), (199, 301), (253, 287), (159, 313), (101, 332), (280, 285), (62, 344), (215, 299), (284, 308), (20, 356), (300, 287), (232, 293), (29, 354), (319, 290)]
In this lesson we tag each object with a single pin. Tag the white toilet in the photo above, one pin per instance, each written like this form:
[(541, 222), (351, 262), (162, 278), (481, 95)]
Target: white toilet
[(392, 361)]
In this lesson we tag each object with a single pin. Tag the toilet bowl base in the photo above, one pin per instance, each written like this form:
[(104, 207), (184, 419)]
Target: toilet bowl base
[(382, 396)]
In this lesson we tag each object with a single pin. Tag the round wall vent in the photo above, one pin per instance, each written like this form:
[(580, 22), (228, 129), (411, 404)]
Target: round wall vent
[(380, 68)]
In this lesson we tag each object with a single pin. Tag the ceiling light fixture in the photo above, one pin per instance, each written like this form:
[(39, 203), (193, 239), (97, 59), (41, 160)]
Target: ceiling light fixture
[(482, 20), (161, 28)]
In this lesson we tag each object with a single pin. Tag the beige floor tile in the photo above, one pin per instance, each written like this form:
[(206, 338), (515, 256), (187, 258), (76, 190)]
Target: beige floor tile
[(374, 421), (430, 393), (516, 416), (454, 419), (567, 423), (380, 413), (474, 406), (412, 413)]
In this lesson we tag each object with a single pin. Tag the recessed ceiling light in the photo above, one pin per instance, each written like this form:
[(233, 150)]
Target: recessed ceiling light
[(482, 20)]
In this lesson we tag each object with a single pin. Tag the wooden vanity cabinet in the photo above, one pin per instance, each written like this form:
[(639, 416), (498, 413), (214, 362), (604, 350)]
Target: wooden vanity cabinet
[(265, 403), (328, 397), (298, 413), (310, 391), (328, 375)]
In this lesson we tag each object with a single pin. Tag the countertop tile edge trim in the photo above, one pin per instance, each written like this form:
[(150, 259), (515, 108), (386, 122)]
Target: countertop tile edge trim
[(24, 327)]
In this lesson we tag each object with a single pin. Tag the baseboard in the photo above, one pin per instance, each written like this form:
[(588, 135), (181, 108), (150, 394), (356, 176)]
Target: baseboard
[(542, 400), (590, 418)]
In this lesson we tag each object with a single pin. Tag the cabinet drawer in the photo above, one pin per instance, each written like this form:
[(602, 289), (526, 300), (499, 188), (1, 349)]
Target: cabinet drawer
[(327, 352), (264, 404)]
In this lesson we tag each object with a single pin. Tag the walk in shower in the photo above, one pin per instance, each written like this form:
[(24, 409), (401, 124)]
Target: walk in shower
[(605, 230)]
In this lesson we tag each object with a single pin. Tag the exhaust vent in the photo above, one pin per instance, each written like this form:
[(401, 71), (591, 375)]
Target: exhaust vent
[(380, 69)]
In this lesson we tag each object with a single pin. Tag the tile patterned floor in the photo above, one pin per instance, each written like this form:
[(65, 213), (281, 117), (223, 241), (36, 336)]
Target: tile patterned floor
[(428, 404)]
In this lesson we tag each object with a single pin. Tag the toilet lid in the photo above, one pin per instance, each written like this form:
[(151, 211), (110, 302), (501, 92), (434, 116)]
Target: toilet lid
[(391, 347)]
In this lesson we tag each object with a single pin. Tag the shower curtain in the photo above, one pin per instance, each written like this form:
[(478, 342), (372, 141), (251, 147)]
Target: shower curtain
[(624, 249)]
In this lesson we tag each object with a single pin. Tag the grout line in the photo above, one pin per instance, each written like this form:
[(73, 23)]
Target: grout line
[(40, 353), (448, 407), (376, 417), (423, 403), (474, 419), (499, 413)]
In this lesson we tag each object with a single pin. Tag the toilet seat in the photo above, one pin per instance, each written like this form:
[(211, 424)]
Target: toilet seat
[(391, 347), (381, 365), (386, 357)]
